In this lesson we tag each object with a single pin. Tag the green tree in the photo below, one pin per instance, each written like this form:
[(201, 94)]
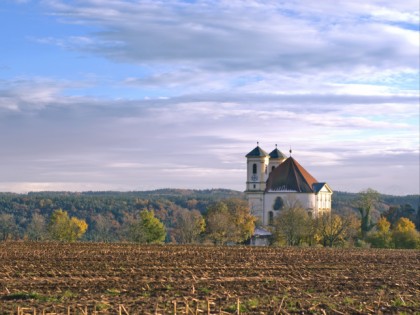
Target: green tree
[(404, 234), (365, 204), (148, 229), (63, 228), (292, 226)]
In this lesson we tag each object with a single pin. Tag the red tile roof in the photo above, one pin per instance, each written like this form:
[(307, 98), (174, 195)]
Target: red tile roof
[(290, 176)]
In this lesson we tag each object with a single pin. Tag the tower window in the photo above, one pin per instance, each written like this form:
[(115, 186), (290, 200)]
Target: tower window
[(254, 169)]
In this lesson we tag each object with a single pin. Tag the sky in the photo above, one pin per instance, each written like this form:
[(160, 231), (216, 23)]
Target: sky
[(145, 94)]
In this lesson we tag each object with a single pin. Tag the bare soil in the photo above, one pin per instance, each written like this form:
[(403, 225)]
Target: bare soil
[(100, 278)]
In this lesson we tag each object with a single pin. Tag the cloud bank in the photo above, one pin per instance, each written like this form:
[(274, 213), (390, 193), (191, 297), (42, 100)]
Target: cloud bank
[(175, 93)]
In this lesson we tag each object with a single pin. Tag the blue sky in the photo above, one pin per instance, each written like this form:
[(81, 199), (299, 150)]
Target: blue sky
[(136, 95)]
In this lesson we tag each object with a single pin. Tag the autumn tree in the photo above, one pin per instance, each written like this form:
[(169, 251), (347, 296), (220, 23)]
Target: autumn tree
[(333, 228), (218, 225), (293, 225), (394, 213), (229, 221), (147, 229), (365, 204), (188, 226), (382, 237), (243, 221), (405, 235), (61, 227)]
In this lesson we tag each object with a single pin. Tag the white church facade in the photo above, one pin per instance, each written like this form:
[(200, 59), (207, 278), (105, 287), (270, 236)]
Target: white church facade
[(275, 181)]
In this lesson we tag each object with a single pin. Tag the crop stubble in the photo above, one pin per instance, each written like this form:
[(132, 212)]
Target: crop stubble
[(150, 279)]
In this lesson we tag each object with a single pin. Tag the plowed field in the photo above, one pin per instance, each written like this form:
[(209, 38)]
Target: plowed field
[(83, 278)]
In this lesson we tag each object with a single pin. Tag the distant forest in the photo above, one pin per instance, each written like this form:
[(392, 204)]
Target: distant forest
[(106, 213)]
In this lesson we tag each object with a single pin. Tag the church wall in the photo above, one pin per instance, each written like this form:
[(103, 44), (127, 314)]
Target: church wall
[(306, 200), (256, 205), (323, 202)]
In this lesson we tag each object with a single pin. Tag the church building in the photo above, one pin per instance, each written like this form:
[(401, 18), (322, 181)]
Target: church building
[(275, 181)]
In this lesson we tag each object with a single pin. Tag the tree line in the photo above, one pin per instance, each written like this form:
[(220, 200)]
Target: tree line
[(294, 227), (224, 221), (215, 216)]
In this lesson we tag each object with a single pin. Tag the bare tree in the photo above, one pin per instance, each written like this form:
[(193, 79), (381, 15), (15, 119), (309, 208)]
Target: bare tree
[(37, 228), (292, 225), (104, 228), (8, 227), (188, 226), (333, 228), (229, 221)]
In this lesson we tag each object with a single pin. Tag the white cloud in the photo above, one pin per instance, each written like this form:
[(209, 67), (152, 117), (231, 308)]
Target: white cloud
[(210, 79), (224, 36)]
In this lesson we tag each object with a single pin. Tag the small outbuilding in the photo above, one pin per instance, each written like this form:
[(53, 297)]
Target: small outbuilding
[(261, 237)]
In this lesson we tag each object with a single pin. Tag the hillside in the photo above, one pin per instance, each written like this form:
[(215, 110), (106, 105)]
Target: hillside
[(115, 209)]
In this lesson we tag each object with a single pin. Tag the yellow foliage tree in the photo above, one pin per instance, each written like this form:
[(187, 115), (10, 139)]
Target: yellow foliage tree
[(405, 235), (63, 228), (78, 228), (382, 237), (404, 225), (383, 225)]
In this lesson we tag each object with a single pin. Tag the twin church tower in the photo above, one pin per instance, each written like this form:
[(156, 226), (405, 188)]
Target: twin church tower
[(275, 181)]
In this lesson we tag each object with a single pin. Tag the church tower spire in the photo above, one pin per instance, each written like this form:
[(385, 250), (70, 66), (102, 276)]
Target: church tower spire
[(276, 158)]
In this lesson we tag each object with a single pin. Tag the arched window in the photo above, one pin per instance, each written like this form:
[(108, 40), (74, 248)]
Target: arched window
[(278, 203), (270, 217), (254, 169)]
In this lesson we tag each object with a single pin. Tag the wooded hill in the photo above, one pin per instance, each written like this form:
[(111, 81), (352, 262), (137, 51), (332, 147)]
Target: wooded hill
[(115, 209)]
